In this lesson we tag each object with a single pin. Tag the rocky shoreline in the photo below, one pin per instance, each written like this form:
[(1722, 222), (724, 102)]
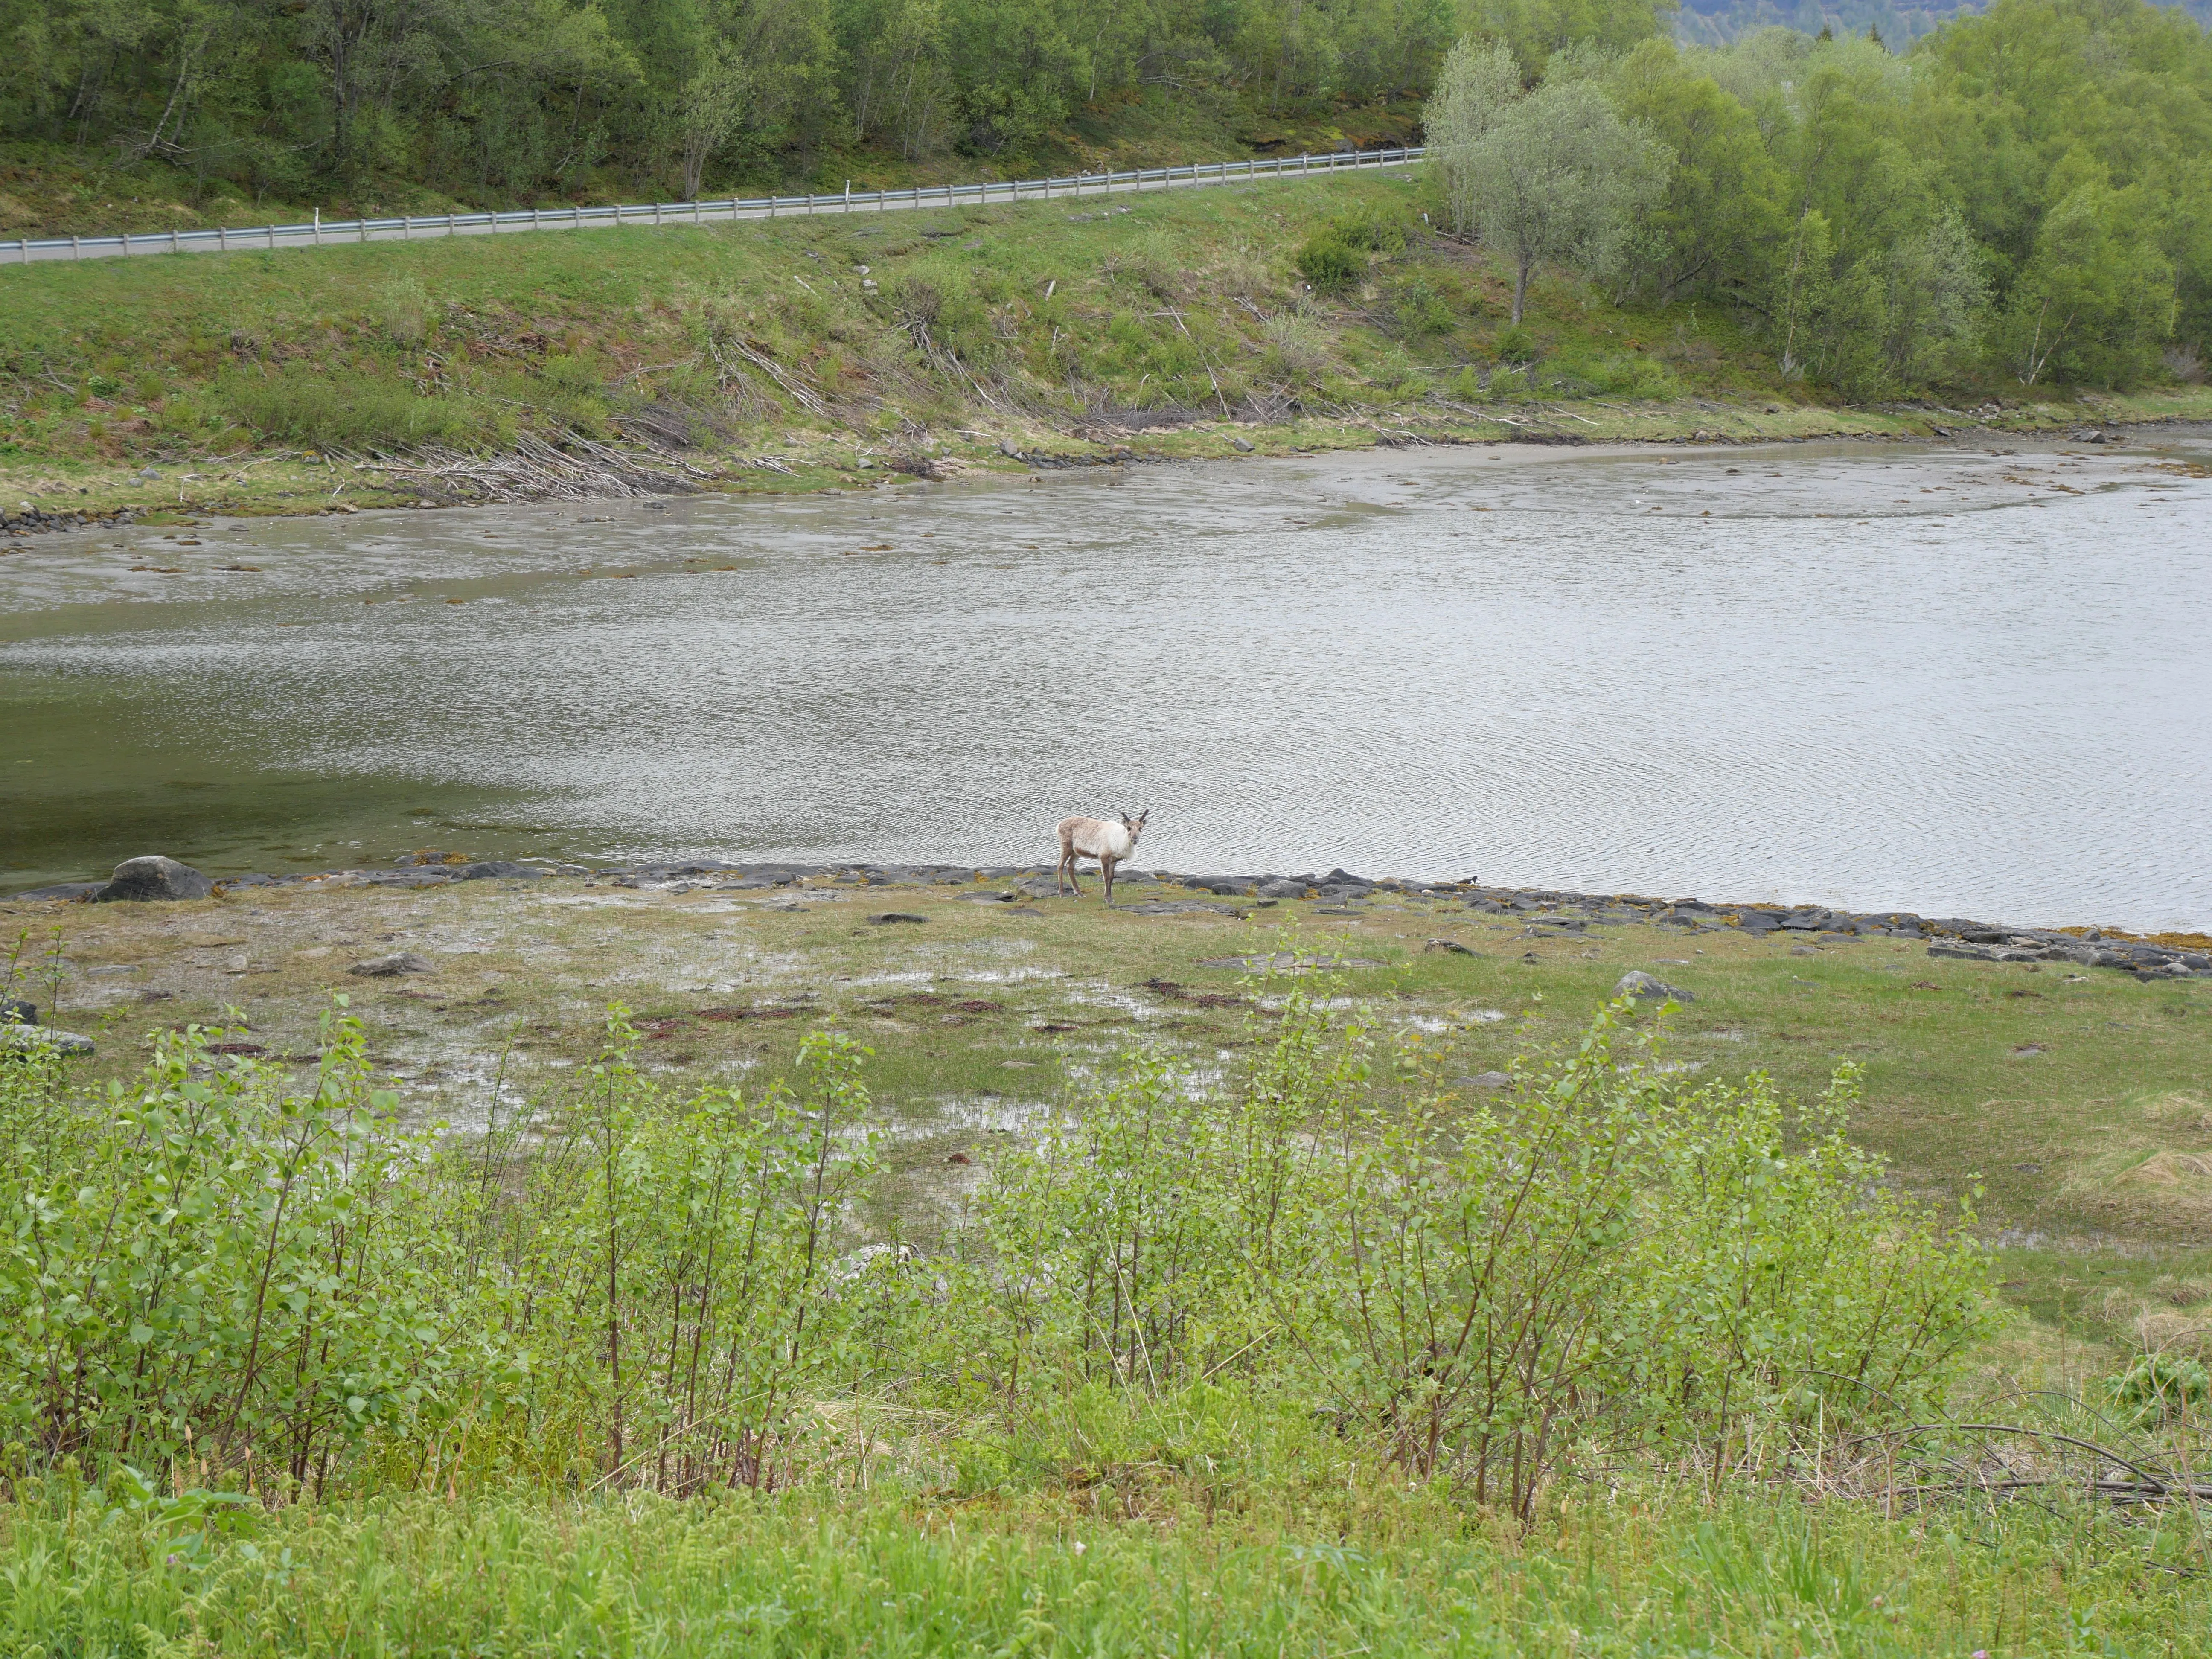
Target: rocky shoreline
[(1158, 892)]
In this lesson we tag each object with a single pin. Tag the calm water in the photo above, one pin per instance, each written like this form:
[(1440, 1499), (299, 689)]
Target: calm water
[(1955, 680)]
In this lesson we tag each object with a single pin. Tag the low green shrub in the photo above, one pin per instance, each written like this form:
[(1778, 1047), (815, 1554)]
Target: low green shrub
[(338, 410), (1623, 375), (215, 1275), (1608, 1256), (1416, 307), (1329, 262)]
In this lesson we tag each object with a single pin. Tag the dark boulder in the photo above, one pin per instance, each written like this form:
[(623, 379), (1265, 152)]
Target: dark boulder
[(390, 967), (1644, 987), (153, 877)]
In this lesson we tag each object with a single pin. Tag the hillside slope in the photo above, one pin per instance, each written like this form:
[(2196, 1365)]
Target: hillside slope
[(808, 352)]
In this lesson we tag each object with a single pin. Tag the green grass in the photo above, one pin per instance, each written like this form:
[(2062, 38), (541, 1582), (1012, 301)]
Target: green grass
[(1179, 327), (1610, 1572), (1211, 1519)]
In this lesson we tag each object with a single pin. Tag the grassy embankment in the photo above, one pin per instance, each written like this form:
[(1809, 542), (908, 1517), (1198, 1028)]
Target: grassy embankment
[(818, 353), (1209, 1522)]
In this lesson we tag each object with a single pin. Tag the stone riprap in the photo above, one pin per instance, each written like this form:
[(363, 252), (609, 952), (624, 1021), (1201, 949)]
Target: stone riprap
[(1545, 911)]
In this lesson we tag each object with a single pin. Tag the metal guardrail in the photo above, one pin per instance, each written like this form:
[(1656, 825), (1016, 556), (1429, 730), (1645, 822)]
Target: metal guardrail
[(325, 233)]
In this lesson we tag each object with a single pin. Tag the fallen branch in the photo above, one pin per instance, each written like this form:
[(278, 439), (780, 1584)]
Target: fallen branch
[(761, 360), (536, 470)]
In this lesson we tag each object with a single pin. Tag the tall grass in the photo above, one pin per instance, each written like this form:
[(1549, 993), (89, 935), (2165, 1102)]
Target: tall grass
[(1632, 1573)]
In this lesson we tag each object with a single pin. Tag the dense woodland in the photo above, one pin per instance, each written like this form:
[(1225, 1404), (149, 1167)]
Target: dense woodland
[(2023, 196)]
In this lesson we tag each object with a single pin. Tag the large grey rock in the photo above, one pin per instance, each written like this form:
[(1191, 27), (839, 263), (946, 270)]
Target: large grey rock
[(28, 1039), (153, 877), (390, 967), (15, 1012), (1645, 987), (505, 869), (1282, 888)]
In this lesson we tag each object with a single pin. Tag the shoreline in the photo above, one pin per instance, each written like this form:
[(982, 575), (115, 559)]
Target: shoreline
[(2163, 956), (293, 483)]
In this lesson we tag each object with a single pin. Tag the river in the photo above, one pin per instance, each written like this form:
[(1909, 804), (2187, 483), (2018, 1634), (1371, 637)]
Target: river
[(1962, 679)]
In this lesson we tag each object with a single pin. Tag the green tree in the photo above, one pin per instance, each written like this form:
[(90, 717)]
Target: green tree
[(1722, 221), (2096, 302), (1551, 175)]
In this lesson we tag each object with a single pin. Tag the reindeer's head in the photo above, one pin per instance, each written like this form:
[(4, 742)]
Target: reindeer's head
[(1135, 826)]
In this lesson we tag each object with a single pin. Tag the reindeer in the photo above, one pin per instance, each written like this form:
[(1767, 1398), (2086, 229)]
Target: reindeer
[(1104, 839)]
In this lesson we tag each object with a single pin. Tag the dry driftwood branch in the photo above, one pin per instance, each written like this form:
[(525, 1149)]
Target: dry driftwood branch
[(761, 360), (535, 471)]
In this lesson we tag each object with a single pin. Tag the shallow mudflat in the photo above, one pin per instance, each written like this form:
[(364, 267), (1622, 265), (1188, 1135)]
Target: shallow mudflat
[(1961, 679), (2074, 1091)]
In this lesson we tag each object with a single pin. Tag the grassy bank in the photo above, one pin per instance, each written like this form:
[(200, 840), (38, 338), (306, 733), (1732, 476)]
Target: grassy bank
[(1369, 1572), (936, 1504), (825, 353)]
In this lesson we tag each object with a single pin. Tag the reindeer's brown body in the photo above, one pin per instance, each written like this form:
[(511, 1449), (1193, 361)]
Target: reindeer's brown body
[(1108, 840)]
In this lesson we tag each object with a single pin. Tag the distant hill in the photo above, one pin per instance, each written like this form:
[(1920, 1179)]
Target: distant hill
[(1715, 22)]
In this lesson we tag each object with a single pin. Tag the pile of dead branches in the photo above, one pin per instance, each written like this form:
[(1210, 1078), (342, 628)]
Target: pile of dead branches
[(573, 469)]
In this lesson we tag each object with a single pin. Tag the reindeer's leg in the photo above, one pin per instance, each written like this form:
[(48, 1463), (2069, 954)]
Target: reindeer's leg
[(1106, 867), (1060, 873), (1075, 872)]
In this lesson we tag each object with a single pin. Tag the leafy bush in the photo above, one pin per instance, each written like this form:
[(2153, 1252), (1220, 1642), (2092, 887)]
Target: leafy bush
[(1330, 263), (1373, 229), (1624, 375), (2161, 1388), (1335, 257), (1514, 345), (1605, 1256), (1415, 308), (215, 1280)]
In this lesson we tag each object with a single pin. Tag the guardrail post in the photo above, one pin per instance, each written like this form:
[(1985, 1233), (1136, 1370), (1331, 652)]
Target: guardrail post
[(318, 227), (223, 238), (173, 238)]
